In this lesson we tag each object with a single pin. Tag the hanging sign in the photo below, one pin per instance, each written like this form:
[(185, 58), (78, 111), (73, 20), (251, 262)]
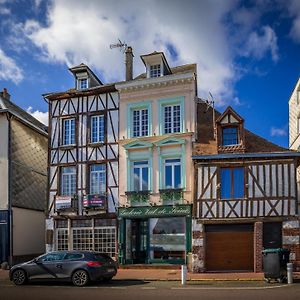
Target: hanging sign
[(96, 201)]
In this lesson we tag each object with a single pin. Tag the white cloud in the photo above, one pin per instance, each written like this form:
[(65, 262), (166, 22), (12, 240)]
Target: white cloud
[(41, 116), (278, 131), (4, 11), (9, 69), (259, 44), (78, 32), (293, 7)]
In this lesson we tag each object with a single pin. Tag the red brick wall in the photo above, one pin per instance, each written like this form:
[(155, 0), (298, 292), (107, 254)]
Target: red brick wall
[(258, 246)]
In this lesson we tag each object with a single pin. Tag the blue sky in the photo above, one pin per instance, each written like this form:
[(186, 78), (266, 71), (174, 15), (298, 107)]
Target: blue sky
[(247, 52)]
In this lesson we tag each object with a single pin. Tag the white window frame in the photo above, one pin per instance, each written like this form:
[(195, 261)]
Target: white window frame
[(68, 190), (172, 165), (100, 129), (155, 70), (141, 167), (140, 131), (101, 186), (172, 118), (62, 239), (80, 85), (69, 137)]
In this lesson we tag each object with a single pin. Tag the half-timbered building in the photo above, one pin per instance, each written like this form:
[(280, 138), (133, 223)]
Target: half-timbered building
[(246, 195), (83, 165), (157, 125)]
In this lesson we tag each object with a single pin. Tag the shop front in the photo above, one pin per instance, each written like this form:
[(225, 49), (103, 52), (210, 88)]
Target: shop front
[(157, 234)]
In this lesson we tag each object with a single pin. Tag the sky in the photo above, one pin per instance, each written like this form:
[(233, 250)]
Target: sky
[(247, 52)]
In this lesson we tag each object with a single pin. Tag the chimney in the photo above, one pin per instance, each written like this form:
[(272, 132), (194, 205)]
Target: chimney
[(5, 94), (129, 63)]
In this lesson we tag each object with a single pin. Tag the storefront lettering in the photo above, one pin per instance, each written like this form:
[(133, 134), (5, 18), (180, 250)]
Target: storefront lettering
[(154, 211)]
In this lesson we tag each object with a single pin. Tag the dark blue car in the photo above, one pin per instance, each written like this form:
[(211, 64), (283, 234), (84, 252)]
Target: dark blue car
[(79, 267)]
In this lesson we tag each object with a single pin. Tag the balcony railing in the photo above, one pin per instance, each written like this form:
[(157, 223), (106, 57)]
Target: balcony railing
[(171, 196), (138, 198)]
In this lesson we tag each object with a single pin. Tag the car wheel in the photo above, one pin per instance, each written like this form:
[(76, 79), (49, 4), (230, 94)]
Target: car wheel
[(19, 277), (80, 278)]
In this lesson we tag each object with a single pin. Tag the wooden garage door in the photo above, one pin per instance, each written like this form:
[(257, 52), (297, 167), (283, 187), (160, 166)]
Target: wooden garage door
[(229, 247)]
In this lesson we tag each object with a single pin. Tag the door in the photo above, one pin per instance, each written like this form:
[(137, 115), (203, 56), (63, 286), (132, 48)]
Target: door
[(139, 229), (229, 247)]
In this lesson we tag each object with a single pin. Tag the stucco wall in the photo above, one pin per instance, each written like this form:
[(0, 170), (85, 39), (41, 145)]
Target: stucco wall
[(153, 95), (3, 161), (28, 232)]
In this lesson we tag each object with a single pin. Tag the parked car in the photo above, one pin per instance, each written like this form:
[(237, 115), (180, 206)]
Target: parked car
[(79, 267)]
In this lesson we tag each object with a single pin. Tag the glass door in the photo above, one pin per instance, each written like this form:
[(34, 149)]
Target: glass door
[(139, 231)]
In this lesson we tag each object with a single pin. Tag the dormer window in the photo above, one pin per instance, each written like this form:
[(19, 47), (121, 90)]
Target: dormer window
[(82, 84), (230, 132), (230, 136), (155, 71)]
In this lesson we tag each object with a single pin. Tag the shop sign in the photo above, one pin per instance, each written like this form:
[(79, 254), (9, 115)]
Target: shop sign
[(63, 202), (161, 211), (98, 201)]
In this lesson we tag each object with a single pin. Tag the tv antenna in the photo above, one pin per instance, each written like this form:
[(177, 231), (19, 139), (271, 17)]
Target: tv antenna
[(121, 45)]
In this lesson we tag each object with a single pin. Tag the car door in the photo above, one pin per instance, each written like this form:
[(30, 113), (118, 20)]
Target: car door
[(48, 266), (72, 261)]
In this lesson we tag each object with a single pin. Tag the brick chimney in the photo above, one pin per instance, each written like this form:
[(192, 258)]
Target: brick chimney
[(4, 94), (129, 63)]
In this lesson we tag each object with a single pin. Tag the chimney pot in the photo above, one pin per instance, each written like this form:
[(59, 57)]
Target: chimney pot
[(5, 94), (129, 63)]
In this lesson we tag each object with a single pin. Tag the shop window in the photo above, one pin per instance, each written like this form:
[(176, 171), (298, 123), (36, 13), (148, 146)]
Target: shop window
[(167, 238), (232, 183), (62, 239), (105, 240)]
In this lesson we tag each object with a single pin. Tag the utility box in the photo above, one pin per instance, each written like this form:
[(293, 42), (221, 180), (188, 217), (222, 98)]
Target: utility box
[(275, 264)]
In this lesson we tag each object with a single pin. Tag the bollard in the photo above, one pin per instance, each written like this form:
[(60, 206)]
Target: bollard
[(289, 273), (183, 274)]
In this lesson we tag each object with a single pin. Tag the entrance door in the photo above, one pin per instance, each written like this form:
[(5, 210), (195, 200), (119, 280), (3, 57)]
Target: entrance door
[(139, 230), (229, 247)]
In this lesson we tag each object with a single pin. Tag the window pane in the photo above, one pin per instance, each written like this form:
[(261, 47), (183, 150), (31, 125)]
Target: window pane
[(238, 179), (98, 179), (167, 119), (168, 177), (136, 179), (68, 181), (225, 183), (145, 179), (230, 136), (170, 161), (177, 177), (176, 118)]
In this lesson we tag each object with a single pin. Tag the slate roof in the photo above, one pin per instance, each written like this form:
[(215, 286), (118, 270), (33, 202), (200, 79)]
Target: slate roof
[(207, 145), (17, 111)]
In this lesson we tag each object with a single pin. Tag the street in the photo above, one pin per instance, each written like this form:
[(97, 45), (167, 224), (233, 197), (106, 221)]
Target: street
[(121, 289)]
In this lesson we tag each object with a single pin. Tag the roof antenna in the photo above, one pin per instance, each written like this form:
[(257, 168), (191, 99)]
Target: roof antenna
[(211, 103), (121, 45)]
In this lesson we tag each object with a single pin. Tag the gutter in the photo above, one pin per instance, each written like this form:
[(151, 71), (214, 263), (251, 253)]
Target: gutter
[(246, 155)]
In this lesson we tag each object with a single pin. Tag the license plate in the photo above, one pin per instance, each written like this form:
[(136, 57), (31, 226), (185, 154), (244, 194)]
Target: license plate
[(110, 270)]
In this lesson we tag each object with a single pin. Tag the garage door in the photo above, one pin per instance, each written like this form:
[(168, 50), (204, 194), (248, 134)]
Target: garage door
[(229, 247)]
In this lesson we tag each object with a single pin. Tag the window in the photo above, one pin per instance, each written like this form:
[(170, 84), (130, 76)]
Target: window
[(97, 129), (69, 131), (140, 176), (74, 256), (61, 239), (230, 136), (172, 173), (82, 239), (232, 183), (53, 256), (82, 83), (140, 122), (105, 240), (68, 181), (172, 118), (97, 179), (155, 71)]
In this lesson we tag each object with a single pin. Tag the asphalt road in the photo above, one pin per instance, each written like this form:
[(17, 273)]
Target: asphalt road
[(130, 290)]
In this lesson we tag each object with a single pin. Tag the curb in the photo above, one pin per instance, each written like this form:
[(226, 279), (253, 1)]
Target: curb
[(190, 280)]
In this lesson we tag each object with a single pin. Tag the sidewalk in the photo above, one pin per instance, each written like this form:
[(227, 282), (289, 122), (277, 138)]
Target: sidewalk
[(175, 275)]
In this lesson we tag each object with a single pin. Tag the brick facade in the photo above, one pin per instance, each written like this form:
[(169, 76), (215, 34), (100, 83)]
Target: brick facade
[(198, 248), (258, 246)]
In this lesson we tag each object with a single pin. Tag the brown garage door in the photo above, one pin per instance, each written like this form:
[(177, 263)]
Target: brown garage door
[(229, 247)]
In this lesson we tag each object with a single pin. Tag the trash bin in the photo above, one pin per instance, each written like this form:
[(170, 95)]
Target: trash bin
[(275, 264)]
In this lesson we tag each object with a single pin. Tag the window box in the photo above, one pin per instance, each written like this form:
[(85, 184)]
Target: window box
[(138, 198), (171, 196)]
